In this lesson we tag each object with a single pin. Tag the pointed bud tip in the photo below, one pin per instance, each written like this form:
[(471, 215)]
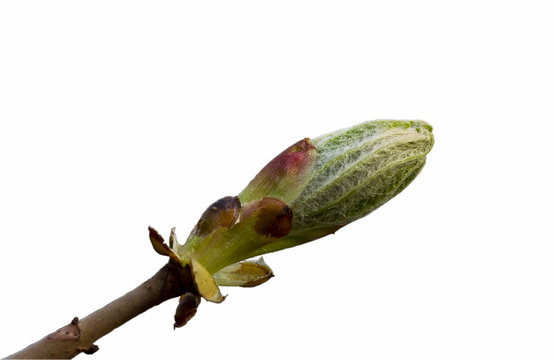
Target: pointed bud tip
[(284, 175)]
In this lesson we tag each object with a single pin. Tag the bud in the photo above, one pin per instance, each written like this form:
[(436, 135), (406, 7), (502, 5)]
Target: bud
[(357, 170), (310, 190), (361, 168)]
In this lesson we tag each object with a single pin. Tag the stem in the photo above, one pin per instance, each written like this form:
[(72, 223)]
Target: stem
[(79, 335)]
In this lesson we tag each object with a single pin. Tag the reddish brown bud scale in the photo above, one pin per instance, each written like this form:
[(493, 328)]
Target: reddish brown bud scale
[(283, 175), (222, 213), (292, 160), (274, 217), (188, 303)]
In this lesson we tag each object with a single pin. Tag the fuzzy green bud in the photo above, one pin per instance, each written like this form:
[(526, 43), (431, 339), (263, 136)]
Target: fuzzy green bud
[(360, 169), (357, 170)]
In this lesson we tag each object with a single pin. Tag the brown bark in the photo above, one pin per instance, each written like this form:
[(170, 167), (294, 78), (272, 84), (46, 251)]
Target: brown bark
[(79, 335)]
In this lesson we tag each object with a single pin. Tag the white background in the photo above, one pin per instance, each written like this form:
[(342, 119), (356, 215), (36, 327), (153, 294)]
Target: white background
[(117, 115)]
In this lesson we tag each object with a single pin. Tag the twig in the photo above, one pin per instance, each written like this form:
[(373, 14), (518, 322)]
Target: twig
[(79, 335)]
